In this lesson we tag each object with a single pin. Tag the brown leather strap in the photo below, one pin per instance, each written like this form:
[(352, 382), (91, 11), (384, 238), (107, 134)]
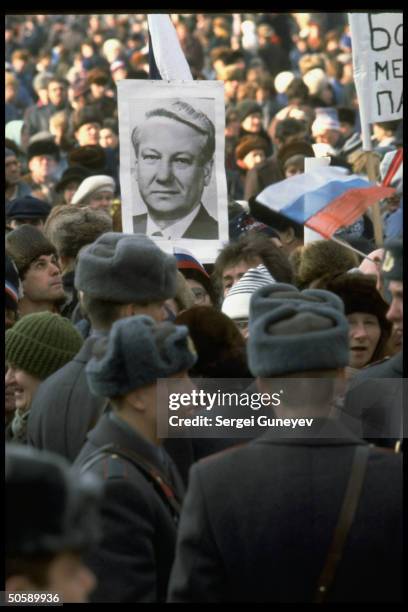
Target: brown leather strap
[(344, 523)]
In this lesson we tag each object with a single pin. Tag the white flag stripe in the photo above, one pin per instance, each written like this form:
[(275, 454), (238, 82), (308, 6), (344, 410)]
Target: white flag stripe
[(168, 55), (280, 195)]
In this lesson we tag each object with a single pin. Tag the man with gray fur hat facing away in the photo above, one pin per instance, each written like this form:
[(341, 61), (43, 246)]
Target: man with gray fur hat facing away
[(143, 489), (119, 275), (303, 520)]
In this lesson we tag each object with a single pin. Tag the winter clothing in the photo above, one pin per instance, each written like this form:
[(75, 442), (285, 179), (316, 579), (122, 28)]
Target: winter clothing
[(236, 303), (126, 268), (131, 357), (25, 244), (296, 332), (42, 343), (91, 185), (27, 208)]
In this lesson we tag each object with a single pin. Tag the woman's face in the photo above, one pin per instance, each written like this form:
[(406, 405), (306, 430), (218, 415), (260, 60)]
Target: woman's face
[(24, 385), (102, 200), (364, 334), (201, 296)]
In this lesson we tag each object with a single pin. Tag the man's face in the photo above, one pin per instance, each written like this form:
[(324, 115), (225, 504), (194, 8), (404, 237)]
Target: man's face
[(38, 223), (108, 138), (252, 123), (170, 174), (69, 190), (24, 386), (42, 168), (88, 134), (43, 281), (364, 334), (233, 273), (57, 93), (12, 170), (395, 313), (330, 137)]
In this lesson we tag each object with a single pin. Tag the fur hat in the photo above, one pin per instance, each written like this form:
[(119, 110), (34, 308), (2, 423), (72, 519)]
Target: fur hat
[(136, 353), (70, 228), (250, 143), (322, 259), (92, 157), (294, 148), (99, 76), (125, 269), (72, 173), (246, 108), (25, 244), (296, 332), (236, 303), (359, 294), (41, 343), (93, 184), (27, 207), (44, 146), (218, 342), (86, 115)]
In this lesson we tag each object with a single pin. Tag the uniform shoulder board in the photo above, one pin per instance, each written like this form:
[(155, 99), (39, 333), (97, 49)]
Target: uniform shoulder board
[(114, 466)]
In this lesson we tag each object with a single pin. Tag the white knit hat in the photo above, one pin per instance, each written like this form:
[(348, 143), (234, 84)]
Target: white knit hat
[(92, 184), (315, 80), (324, 122), (283, 80), (236, 304)]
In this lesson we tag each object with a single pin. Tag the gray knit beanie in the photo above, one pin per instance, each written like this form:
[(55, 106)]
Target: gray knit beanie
[(136, 353), (126, 268), (296, 331)]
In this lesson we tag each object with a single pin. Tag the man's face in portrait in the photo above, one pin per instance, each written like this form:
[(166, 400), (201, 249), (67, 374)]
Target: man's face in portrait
[(170, 169)]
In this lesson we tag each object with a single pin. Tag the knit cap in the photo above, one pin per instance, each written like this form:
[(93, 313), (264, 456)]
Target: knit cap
[(41, 343), (25, 244), (315, 79), (93, 184), (325, 120), (236, 304), (135, 354)]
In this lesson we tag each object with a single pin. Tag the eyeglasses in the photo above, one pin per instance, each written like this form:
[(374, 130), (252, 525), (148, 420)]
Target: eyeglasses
[(241, 323)]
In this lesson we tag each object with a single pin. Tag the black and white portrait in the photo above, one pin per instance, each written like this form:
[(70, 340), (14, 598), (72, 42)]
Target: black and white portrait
[(171, 186)]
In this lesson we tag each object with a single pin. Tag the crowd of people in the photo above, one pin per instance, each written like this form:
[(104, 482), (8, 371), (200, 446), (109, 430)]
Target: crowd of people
[(96, 317)]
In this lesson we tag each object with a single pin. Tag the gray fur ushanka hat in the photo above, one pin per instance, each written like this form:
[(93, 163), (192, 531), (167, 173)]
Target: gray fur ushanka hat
[(136, 353), (292, 331)]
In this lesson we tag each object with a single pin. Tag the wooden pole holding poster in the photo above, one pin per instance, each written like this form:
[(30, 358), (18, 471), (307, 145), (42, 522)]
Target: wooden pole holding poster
[(378, 71)]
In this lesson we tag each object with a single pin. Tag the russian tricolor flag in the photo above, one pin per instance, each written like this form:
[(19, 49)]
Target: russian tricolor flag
[(166, 58), (324, 200)]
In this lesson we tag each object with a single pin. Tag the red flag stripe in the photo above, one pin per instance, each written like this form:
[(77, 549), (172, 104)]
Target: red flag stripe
[(346, 209), (394, 165)]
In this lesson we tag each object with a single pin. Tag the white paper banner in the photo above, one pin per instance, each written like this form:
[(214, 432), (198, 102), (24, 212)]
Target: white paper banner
[(168, 191), (377, 63)]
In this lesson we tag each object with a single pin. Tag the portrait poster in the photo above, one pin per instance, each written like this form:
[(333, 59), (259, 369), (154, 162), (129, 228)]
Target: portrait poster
[(172, 169)]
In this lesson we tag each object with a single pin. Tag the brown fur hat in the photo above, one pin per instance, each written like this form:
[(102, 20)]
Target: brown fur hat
[(218, 342), (70, 228), (319, 261)]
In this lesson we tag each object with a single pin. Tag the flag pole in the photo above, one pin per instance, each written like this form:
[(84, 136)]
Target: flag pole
[(348, 246)]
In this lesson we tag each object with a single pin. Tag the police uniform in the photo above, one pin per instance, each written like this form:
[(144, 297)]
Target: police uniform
[(135, 556), (266, 540)]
